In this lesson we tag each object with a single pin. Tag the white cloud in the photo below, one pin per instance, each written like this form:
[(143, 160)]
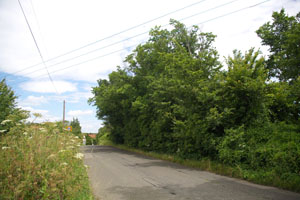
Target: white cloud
[(74, 97), (45, 115), (47, 86), (18, 50), (90, 126), (76, 113), (33, 110), (33, 101)]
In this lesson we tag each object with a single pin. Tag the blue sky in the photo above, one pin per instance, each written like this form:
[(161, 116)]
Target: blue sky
[(62, 26)]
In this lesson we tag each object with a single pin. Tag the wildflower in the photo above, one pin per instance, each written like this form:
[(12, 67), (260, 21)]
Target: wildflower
[(86, 166), (18, 124), (25, 133), (2, 131), (5, 121), (42, 129), (5, 148), (29, 138), (51, 156), (64, 164), (62, 150), (76, 137), (79, 156)]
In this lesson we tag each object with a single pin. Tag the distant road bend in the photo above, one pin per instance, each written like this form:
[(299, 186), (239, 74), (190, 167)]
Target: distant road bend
[(120, 175)]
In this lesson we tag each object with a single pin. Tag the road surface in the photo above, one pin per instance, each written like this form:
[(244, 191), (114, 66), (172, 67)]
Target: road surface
[(117, 174)]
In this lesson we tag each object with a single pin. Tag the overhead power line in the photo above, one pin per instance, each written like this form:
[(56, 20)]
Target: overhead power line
[(203, 22), (120, 41), (111, 36), (35, 42), (230, 13)]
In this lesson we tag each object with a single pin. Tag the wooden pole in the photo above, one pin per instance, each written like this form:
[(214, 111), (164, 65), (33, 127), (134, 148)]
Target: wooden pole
[(64, 108)]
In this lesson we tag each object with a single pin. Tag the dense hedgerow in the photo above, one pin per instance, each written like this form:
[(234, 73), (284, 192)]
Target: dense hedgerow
[(174, 96)]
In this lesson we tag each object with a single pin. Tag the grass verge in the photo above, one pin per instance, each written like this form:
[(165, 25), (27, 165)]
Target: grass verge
[(41, 163)]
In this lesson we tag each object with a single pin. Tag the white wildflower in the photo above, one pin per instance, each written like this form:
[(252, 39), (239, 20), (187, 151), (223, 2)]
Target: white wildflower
[(64, 164), (30, 138), (18, 124), (5, 121), (62, 151), (5, 148), (79, 156), (51, 156), (2, 131), (25, 133), (76, 137)]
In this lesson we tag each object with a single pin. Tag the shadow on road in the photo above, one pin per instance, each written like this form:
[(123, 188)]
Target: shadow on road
[(120, 174), (154, 162)]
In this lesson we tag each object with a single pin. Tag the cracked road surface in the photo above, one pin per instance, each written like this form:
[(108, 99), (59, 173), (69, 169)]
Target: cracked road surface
[(117, 174)]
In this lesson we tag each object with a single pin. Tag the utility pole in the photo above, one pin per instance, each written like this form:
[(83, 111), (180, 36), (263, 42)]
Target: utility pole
[(64, 108)]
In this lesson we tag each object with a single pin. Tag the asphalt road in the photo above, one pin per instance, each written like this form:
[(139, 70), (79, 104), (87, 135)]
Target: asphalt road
[(116, 175)]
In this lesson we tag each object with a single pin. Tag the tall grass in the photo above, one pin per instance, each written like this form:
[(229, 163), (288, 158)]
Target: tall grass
[(40, 162)]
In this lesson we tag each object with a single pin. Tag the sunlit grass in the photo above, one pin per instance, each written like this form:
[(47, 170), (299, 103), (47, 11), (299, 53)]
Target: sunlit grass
[(39, 162)]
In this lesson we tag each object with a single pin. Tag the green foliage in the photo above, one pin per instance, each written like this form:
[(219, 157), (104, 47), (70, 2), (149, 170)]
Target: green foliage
[(90, 140), (39, 162), (283, 38), (7, 100), (173, 97), (103, 134), (36, 115), (269, 149), (76, 128), (284, 101), (10, 115), (243, 89)]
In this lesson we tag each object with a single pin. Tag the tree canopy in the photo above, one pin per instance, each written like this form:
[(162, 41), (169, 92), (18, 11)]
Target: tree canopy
[(7, 100), (174, 96), (282, 35), (10, 114)]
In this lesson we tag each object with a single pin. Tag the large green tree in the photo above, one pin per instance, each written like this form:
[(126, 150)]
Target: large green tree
[(10, 114), (7, 103), (159, 101), (7, 100), (172, 96), (282, 35)]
